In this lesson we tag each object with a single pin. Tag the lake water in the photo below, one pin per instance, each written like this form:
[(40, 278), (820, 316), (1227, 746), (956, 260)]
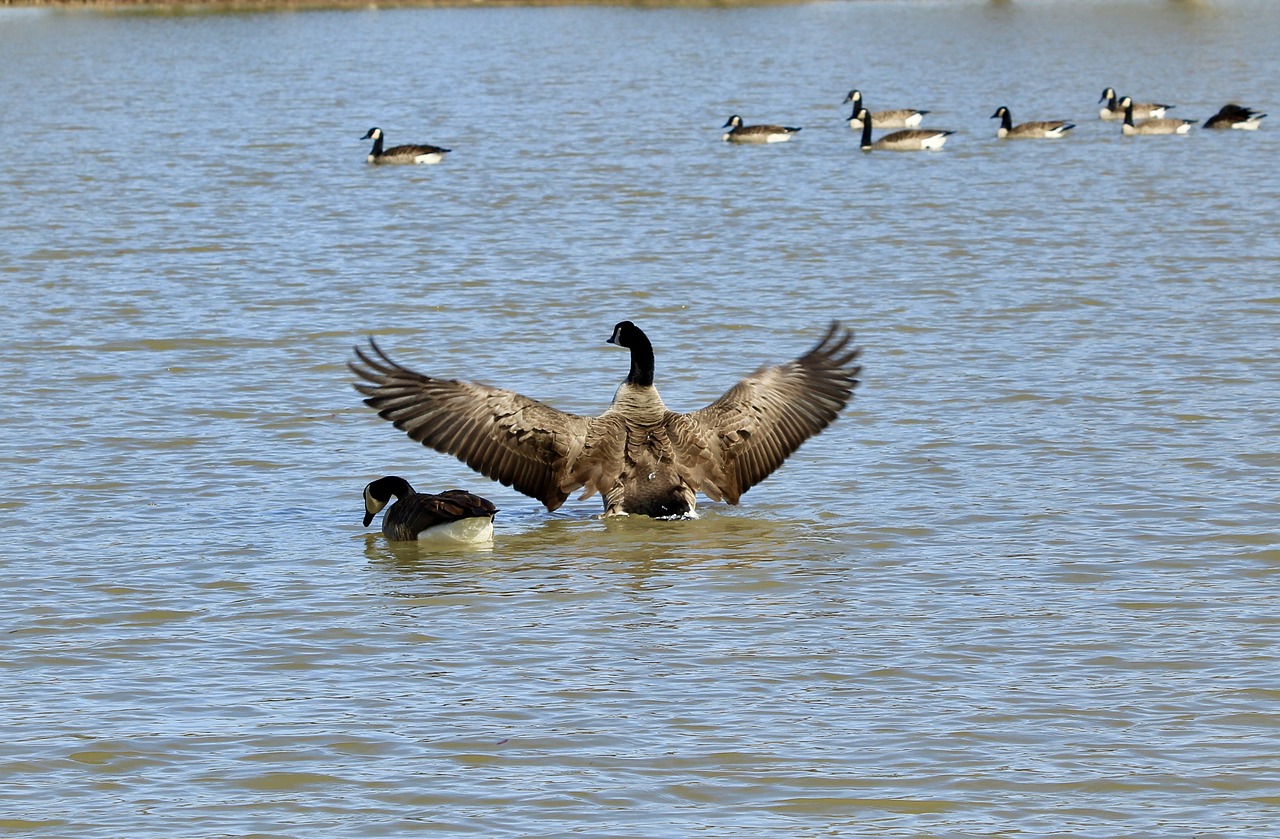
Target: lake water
[(1022, 587)]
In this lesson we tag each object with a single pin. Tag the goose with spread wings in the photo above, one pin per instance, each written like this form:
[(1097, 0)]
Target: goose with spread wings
[(641, 457)]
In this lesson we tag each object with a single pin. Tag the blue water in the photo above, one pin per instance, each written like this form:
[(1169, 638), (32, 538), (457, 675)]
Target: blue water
[(1022, 587)]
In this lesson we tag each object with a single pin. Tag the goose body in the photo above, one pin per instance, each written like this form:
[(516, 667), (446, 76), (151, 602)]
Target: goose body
[(453, 516), (640, 456), (401, 154), (1235, 116), (1114, 108), (1049, 129), (908, 139), (739, 133), (892, 118), (1152, 126)]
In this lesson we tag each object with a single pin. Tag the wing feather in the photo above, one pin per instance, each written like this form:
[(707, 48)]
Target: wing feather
[(515, 440), (759, 422)]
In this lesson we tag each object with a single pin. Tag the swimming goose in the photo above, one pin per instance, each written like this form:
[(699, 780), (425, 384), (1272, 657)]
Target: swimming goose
[(451, 516), (1154, 125), (739, 133), (1141, 110), (892, 118), (640, 456), (1235, 116), (401, 154), (909, 139), (1043, 129)]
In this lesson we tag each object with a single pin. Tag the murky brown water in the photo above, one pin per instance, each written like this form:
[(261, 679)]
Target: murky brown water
[(1023, 587)]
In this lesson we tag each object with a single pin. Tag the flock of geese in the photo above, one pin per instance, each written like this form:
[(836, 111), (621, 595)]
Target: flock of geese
[(1138, 119), (641, 457)]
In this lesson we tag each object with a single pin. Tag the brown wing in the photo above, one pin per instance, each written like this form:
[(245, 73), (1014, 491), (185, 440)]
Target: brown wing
[(748, 433), (406, 150), (462, 504), (510, 438)]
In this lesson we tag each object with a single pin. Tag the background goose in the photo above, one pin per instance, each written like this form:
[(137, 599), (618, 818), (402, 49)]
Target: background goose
[(909, 139), (1154, 125), (892, 118), (1141, 110), (1043, 129), (401, 154), (739, 133), (641, 457), (1235, 116), (451, 516)]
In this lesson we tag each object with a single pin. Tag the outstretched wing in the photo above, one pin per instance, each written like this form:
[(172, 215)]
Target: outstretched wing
[(515, 440), (761, 420)]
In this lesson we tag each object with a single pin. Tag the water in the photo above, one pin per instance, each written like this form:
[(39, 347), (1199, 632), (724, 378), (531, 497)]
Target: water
[(1021, 587)]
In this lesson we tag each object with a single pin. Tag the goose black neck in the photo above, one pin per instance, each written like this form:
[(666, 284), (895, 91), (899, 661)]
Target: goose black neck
[(641, 359), (866, 131), (377, 146), (392, 486), (1006, 120), (1128, 114)]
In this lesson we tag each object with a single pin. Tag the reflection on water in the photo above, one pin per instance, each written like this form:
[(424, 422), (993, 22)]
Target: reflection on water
[(1020, 586)]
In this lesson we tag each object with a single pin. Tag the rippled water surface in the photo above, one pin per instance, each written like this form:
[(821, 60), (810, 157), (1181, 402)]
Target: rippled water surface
[(1022, 587)]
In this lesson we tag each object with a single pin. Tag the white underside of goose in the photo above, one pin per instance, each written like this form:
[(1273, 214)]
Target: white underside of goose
[(470, 531)]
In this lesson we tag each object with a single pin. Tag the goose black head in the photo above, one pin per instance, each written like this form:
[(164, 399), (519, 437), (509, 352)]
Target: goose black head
[(379, 492), (374, 133), (854, 96), (733, 122), (627, 334), (624, 333)]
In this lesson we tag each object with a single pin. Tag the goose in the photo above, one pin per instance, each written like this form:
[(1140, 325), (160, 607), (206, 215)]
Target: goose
[(640, 456), (401, 154), (1043, 129), (452, 516), (1235, 116), (1155, 125), (893, 118), (739, 133), (908, 139), (1113, 109)]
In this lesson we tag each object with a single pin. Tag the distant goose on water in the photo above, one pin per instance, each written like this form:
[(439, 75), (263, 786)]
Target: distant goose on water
[(453, 516), (1049, 129), (892, 118), (739, 133), (639, 455), (908, 139), (1113, 109), (1155, 125), (401, 154), (1235, 116)]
